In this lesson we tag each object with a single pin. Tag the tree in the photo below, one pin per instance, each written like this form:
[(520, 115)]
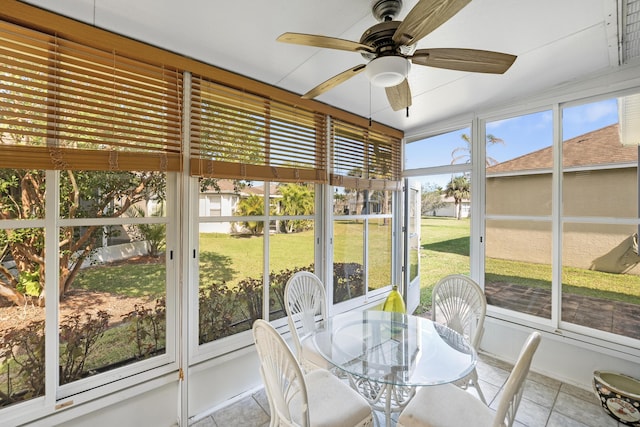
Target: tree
[(154, 235), (431, 199), (82, 195), (297, 199), (252, 206), (463, 154), (459, 188)]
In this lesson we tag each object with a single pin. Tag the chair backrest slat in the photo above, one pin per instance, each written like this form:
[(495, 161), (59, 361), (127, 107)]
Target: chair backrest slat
[(306, 305), (281, 374), (459, 303)]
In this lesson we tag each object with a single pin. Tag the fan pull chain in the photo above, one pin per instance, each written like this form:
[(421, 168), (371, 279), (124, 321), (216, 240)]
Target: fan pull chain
[(369, 104), (408, 91)]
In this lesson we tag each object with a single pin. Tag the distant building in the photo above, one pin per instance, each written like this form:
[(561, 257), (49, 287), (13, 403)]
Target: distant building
[(223, 202), (448, 208)]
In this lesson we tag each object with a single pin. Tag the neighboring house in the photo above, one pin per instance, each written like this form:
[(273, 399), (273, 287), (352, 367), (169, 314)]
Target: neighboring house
[(223, 202), (596, 166), (448, 208), (359, 202)]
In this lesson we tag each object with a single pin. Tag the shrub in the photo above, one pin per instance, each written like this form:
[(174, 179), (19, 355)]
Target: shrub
[(147, 327), (218, 308), (348, 281), (24, 347), (77, 339)]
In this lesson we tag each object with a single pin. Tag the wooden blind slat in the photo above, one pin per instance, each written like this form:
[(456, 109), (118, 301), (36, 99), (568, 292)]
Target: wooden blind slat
[(244, 136), (362, 158), (19, 156), (69, 105)]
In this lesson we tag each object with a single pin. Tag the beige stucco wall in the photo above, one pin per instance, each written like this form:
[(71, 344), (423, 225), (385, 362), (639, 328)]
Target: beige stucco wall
[(526, 241), (602, 247), (519, 195), (608, 193)]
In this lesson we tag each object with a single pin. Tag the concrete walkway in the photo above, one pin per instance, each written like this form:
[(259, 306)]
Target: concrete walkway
[(620, 318)]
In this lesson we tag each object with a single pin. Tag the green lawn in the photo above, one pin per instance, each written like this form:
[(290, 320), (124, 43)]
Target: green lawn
[(233, 258), (132, 280), (444, 251)]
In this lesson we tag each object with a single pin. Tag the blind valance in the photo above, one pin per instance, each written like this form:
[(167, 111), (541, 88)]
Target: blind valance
[(363, 158), (70, 106), (240, 135)]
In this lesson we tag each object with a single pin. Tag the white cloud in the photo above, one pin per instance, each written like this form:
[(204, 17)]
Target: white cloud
[(590, 113)]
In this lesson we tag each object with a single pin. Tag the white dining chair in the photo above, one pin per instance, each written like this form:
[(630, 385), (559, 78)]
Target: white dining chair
[(306, 306), (450, 406), (317, 398), (459, 303)]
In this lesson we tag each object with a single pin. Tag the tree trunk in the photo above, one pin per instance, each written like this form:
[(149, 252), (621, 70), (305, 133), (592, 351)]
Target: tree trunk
[(12, 295)]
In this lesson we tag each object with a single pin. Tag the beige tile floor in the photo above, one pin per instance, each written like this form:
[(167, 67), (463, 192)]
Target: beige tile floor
[(546, 402)]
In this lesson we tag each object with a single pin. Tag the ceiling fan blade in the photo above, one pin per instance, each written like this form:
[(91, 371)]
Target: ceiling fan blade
[(334, 81), (399, 96), (323, 41), (426, 16), (477, 61)]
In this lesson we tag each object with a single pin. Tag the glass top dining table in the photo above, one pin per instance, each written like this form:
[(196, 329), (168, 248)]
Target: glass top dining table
[(387, 355)]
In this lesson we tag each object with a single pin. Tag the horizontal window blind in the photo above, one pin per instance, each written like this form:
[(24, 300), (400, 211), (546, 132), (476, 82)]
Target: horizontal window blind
[(69, 106), (363, 158), (244, 136)]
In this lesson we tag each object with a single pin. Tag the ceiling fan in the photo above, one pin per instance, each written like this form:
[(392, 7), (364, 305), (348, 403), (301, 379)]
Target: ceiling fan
[(389, 46)]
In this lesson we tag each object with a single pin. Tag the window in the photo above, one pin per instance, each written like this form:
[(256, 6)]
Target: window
[(441, 164), (518, 243), (231, 261), (233, 256), (450, 148), (362, 242), (113, 274), (292, 238), (22, 269), (600, 260), (112, 270), (214, 204), (104, 134)]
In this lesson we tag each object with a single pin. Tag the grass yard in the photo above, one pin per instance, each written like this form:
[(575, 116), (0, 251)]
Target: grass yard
[(233, 258), (444, 251), (131, 280)]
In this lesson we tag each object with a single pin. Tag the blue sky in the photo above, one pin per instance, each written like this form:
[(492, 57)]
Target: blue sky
[(521, 135)]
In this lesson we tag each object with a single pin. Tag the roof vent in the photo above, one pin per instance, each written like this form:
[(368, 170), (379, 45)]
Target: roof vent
[(630, 30), (629, 114)]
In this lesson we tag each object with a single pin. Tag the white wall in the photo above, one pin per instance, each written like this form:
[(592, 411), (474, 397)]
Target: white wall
[(157, 403), (212, 383), (567, 359)]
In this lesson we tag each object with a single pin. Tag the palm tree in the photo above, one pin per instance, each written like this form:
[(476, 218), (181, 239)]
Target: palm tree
[(252, 206), (463, 154), (459, 188), (297, 199)]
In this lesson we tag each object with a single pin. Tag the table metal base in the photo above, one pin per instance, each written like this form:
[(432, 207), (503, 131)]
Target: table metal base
[(382, 396)]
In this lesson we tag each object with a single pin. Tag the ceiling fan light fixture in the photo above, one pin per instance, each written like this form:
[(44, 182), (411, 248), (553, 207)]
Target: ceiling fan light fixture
[(387, 71)]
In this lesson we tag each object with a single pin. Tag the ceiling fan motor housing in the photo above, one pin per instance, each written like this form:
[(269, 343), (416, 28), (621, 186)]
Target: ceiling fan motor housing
[(380, 38), (385, 10)]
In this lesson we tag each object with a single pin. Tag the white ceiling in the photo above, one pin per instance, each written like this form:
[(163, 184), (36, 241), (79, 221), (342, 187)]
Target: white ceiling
[(556, 41)]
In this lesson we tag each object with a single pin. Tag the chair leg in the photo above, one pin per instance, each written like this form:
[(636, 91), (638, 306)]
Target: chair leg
[(476, 385)]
